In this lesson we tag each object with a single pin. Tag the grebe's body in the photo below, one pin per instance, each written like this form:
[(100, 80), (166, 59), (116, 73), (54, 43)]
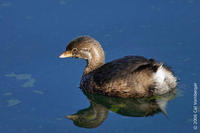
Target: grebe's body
[(131, 76)]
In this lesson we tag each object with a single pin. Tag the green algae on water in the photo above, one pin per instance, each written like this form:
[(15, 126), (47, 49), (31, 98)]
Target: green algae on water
[(38, 92), (28, 77), (8, 94), (13, 102)]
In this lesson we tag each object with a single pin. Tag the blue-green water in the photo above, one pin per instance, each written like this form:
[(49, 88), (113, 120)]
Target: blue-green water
[(37, 89)]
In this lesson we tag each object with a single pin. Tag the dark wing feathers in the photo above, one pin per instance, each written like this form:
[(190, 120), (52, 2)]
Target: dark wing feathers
[(122, 68)]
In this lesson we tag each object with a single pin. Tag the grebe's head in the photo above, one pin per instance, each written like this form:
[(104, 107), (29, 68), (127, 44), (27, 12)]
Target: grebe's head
[(84, 47)]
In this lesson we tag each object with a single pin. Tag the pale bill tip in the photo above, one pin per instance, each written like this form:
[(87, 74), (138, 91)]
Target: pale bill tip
[(62, 56)]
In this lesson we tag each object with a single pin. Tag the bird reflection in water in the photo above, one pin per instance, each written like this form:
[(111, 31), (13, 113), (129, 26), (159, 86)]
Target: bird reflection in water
[(100, 105)]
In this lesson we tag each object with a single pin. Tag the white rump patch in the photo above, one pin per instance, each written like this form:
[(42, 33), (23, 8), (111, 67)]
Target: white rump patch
[(160, 75), (165, 80)]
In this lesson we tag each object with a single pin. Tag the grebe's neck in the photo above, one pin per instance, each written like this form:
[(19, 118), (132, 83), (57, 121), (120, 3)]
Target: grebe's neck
[(95, 60)]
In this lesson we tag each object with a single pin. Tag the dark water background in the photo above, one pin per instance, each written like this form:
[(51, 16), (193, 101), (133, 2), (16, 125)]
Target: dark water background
[(37, 89)]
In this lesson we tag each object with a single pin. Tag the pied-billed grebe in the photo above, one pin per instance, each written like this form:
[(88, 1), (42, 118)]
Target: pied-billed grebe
[(130, 76)]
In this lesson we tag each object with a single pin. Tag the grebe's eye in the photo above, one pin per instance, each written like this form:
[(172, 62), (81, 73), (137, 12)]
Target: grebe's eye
[(74, 50)]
